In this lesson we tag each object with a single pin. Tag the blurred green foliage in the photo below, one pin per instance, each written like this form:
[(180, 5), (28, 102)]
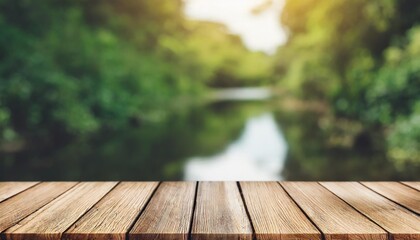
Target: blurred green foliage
[(152, 151), (363, 59), (92, 68), (74, 67)]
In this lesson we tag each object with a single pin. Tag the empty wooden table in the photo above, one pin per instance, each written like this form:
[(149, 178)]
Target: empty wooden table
[(210, 210)]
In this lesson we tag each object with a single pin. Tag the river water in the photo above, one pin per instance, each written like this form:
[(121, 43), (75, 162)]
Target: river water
[(224, 140), (258, 153)]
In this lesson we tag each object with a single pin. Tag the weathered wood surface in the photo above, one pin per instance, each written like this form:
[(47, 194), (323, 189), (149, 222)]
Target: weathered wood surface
[(220, 213), (50, 221), (8, 189), (169, 213), (397, 192), (400, 222), (112, 217), (23, 204), (415, 185), (335, 218), (210, 210), (274, 215)]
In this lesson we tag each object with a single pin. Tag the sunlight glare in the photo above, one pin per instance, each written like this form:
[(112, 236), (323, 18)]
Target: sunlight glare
[(260, 31)]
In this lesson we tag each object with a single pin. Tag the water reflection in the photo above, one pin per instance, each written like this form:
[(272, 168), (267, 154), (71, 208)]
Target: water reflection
[(258, 154), (218, 141)]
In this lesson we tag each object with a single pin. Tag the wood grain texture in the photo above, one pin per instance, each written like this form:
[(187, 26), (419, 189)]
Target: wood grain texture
[(9, 189), (415, 185), (335, 218), (398, 193), (112, 217), (21, 205), (400, 222), (209, 211), (220, 213), (274, 215), (168, 214), (50, 221)]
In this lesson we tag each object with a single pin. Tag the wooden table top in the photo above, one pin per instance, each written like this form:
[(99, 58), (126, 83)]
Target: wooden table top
[(210, 210)]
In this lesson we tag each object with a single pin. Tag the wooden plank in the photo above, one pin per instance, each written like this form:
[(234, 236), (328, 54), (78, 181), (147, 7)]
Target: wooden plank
[(400, 222), (220, 213), (112, 217), (415, 185), (168, 214), (398, 193), (9, 189), (335, 218), (274, 215), (21, 205), (50, 221)]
